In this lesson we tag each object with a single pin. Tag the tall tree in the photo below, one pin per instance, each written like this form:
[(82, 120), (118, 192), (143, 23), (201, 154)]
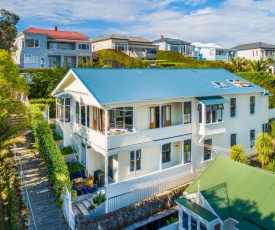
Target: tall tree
[(13, 87), (8, 31), (258, 65), (239, 63), (237, 153), (264, 148)]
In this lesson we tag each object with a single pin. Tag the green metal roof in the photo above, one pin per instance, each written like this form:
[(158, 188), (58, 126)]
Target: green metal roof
[(250, 191), (212, 100), (245, 225), (202, 212)]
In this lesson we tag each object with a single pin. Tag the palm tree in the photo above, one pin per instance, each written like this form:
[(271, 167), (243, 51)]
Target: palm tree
[(264, 148), (239, 63), (271, 166), (258, 65), (237, 153)]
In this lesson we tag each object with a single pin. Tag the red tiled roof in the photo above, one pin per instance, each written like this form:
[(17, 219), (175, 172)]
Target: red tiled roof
[(58, 34)]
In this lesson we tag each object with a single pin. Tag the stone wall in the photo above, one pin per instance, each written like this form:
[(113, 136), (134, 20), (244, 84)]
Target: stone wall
[(131, 214)]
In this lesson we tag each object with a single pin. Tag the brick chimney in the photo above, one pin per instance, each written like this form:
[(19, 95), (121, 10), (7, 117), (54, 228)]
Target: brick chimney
[(161, 36), (55, 28)]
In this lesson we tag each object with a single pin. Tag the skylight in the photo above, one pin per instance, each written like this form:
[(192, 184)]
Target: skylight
[(219, 84), (240, 83)]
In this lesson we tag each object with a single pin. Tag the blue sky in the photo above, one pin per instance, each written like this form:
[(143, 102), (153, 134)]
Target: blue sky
[(224, 22)]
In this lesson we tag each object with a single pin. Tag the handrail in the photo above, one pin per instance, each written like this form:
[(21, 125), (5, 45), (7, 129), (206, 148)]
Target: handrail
[(24, 183)]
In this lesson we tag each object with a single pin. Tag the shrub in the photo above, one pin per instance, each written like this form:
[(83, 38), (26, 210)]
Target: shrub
[(48, 101), (75, 167), (67, 150), (49, 151), (100, 198)]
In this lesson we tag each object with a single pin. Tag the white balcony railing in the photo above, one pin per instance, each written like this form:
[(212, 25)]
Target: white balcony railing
[(211, 129), (150, 135)]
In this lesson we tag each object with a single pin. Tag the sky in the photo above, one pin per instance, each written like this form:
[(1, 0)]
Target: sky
[(224, 22)]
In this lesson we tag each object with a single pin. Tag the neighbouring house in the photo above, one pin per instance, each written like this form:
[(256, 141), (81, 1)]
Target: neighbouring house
[(211, 51), (133, 46), (149, 130), (229, 196), (38, 48), (256, 51), (176, 45)]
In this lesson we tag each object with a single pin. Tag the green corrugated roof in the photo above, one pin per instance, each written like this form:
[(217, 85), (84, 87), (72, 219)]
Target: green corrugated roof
[(218, 197), (250, 191), (202, 212), (245, 225)]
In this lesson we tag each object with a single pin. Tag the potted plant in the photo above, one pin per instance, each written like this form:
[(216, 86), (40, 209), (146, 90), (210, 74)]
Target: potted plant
[(100, 198)]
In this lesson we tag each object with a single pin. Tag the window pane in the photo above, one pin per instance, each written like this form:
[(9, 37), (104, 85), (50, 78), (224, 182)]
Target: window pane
[(83, 115), (202, 226), (29, 42), (77, 111), (166, 153), (252, 104), (132, 161), (187, 112), (208, 117), (168, 113), (233, 139), (187, 151), (193, 223), (67, 113), (207, 149), (138, 159), (184, 220)]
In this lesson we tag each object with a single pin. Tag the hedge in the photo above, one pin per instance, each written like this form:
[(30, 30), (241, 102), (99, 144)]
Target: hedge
[(176, 60), (264, 80), (125, 60), (56, 168), (48, 101)]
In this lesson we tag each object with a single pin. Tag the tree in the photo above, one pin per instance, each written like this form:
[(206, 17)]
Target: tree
[(258, 65), (8, 31), (13, 87), (239, 63), (45, 80), (237, 153), (264, 148)]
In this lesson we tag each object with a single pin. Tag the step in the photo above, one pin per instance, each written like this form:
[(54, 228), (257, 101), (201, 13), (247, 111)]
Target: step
[(86, 203), (82, 208)]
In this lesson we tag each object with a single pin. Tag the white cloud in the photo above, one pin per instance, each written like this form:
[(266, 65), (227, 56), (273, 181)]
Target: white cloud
[(230, 23)]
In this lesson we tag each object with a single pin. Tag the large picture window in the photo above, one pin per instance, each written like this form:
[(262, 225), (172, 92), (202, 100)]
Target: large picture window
[(207, 149), (166, 153), (187, 112), (121, 118), (135, 160), (30, 42), (63, 108), (187, 151)]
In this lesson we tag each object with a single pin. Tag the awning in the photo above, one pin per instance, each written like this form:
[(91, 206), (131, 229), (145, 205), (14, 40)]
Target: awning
[(62, 95), (212, 100)]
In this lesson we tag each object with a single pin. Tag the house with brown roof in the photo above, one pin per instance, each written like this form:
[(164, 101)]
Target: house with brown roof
[(133, 46), (46, 48)]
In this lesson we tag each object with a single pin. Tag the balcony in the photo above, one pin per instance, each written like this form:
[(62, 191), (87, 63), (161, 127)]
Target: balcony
[(144, 136), (211, 129)]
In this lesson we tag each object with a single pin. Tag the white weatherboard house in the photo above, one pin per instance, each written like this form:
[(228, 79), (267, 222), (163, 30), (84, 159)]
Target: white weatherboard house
[(150, 130)]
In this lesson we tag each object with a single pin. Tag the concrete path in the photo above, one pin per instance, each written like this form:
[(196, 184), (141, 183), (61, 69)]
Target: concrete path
[(43, 211)]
